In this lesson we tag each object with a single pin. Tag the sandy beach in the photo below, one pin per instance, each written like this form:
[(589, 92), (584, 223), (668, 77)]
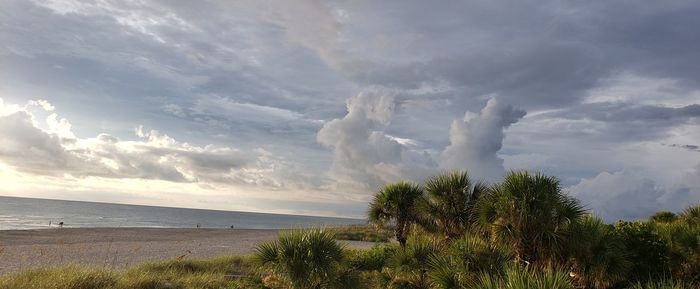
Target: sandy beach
[(121, 247)]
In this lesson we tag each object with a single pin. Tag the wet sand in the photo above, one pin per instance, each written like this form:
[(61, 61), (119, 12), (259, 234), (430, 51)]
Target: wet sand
[(122, 247)]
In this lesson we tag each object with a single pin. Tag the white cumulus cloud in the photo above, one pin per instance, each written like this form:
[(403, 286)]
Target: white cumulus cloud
[(476, 140)]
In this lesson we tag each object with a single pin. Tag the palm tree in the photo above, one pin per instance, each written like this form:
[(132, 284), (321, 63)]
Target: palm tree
[(599, 258), (449, 202), (396, 202), (530, 213), (306, 259)]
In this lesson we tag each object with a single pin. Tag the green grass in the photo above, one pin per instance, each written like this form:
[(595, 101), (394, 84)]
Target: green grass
[(207, 274), (362, 233)]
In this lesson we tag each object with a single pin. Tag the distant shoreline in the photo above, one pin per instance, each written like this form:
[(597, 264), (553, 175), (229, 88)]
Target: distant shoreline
[(122, 247)]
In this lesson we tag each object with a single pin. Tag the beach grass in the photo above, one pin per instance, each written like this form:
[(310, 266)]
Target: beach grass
[(215, 273)]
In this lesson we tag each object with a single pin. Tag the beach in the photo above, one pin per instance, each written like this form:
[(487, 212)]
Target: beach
[(122, 247)]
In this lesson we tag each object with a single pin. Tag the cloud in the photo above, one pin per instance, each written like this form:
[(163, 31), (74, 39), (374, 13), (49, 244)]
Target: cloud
[(629, 195), (368, 157), (694, 148), (364, 156), (258, 80), (56, 151), (630, 112), (476, 140)]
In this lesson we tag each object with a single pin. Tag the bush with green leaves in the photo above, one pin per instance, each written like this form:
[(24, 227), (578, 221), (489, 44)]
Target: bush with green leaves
[(306, 259), (465, 259), (648, 252), (409, 266), (373, 259), (683, 241), (598, 256), (691, 215), (663, 217), (516, 277), (365, 233)]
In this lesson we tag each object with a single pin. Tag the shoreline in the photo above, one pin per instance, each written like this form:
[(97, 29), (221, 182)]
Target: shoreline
[(123, 247)]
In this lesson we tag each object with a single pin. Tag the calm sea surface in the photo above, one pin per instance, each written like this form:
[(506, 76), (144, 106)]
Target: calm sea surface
[(24, 213)]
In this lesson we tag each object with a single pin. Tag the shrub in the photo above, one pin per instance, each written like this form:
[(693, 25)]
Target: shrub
[(645, 247), (683, 241), (525, 278), (467, 258), (599, 257), (691, 215), (373, 259), (305, 259), (361, 233), (663, 217), (408, 268)]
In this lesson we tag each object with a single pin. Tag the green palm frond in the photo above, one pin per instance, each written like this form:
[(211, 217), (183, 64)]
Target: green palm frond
[(691, 215), (396, 202), (599, 256), (305, 258), (449, 202), (530, 213)]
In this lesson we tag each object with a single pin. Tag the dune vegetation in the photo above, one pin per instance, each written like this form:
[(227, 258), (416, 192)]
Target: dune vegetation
[(451, 232)]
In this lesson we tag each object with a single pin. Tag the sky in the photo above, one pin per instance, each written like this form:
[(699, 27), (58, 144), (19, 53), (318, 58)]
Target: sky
[(308, 107)]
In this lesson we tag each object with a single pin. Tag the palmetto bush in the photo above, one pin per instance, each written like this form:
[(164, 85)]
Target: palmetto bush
[(516, 277), (460, 265), (683, 240), (408, 268), (530, 213), (691, 215), (306, 259), (599, 258)]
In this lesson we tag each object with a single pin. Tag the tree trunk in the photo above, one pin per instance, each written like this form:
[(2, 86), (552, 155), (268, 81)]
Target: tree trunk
[(400, 233)]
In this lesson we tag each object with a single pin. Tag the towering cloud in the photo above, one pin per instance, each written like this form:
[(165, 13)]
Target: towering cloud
[(364, 157), (476, 140)]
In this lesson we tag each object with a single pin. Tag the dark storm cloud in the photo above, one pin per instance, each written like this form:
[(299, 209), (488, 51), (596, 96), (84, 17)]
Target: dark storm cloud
[(533, 53)]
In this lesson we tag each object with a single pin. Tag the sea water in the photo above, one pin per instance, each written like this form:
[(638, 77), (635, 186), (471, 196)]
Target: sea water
[(27, 213)]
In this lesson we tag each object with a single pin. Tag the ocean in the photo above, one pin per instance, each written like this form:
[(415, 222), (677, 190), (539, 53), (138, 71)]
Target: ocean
[(26, 213)]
